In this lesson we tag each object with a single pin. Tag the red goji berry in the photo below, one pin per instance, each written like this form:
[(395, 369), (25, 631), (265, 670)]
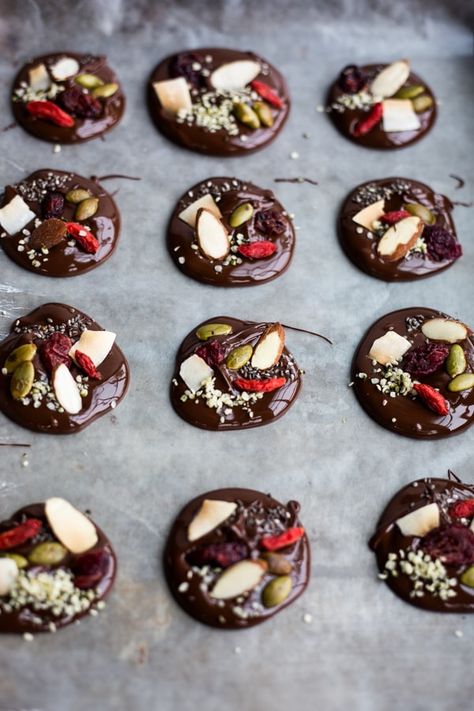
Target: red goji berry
[(20, 534), (266, 93), (462, 509), (257, 250), (87, 365), (391, 218), (49, 111), (84, 236), (432, 398), (259, 386), (291, 535), (367, 124)]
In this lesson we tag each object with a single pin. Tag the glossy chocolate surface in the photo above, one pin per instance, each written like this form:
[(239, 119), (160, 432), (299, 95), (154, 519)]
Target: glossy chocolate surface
[(412, 417), (362, 249), (26, 619), (84, 128), (220, 142), (103, 395), (377, 137), (389, 539), (228, 194), (67, 258), (257, 514)]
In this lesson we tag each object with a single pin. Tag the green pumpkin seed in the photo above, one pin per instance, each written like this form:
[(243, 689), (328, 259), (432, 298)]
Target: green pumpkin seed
[(277, 563), (208, 330), (409, 92), (87, 208), (246, 115), (77, 195), (239, 357), (456, 362), (422, 103), (241, 214), (48, 553), (467, 578), (20, 560), (465, 381), (276, 591), (414, 208), (22, 380), (21, 354), (88, 81), (264, 113), (105, 91)]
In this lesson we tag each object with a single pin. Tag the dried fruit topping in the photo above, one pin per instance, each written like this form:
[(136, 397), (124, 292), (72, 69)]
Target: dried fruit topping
[(90, 568), (188, 65), (257, 250), (274, 543), (441, 244), (259, 386), (432, 398), (452, 544), (221, 555), (352, 79), (80, 104), (462, 509), (425, 359), (86, 364), (50, 112), (55, 350), (270, 222), (267, 93), (366, 125), (49, 234), (83, 236), (20, 534), (391, 218), (212, 352), (52, 205)]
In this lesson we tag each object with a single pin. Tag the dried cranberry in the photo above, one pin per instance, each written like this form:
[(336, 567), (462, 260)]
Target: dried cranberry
[(212, 352), (55, 350), (221, 555), (270, 222), (453, 544), (425, 359), (352, 79), (52, 205), (441, 244), (90, 568), (80, 104), (183, 66)]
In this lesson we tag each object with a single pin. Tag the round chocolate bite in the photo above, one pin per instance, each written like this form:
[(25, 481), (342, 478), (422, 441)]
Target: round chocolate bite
[(56, 566), (58, 224), (232, 374), (413, 373), (218, 101), (424, 544), (398, 229), (228, 232), (67, 97), (381, 106), (60, 371), (235, 557)]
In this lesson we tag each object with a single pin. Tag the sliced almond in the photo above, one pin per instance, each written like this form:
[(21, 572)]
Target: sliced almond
[(390, 79), (71, 527), (420, 521), (235, 75), (39, 78), (95, 344), (211, 235), (444, 329), (190, 213), (400, 238), (173, 94), (238, 579), (15, 215), (389, 348), (210, 515), (66, 390), (269, 347), (194, 370), (399, 115), (65, 68), (8, 575), (370, 214)]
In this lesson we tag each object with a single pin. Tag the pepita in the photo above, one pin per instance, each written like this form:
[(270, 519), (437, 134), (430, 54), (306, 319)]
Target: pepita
[(22, 380), (465, 381), (239, 357), (88, 81), (241, 214), (264, 113), (418, 210), (277, 563), (422, 103), (19, 355), (47, 553), (467, 578), (20, 560), (409, 92), (77, 195), (276, 591), (246, 115), (208, 330), (105, 91), (456, 361), (87, 208)]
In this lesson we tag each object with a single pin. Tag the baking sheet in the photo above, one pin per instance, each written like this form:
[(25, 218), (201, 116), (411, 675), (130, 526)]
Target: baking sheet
[(364, 648)]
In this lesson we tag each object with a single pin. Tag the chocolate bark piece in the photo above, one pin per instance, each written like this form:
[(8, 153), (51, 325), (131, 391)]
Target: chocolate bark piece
[(388, 540), (256, 515), (407, 414), (98, 396), (229, 137), (67, 258), (108, 110), (236, 269), (360, 243)]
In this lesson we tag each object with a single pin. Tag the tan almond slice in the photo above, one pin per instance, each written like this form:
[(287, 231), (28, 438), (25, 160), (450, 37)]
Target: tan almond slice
[(444, 329), (173, 94), (389, 348), (95, 344), (370, 214), (211, 235), (235, 75), (71, 527), (391, 79), (66, 390), (238, 579), (210, 515), (400, 238), (420, 521), (269, 347), (190, 213), (194, 370), (65, 68), (38, 78), (399, 115), (8, 575), (15, 215)]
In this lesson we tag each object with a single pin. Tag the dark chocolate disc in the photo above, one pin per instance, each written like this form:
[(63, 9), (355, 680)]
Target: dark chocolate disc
[(203, 116), (444, 532), (268, 229), (40, 408), (228, 397), (350, 102), (44, 192), (193, 568), (410, 412), (435, 249), (52, 588), (81, 85)]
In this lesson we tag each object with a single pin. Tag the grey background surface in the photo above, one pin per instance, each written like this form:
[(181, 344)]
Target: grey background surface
[(364, 649)]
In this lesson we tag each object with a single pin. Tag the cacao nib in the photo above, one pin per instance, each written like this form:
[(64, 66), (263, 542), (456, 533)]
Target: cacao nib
[(80, 104), (90, 568), (441, 244), (352, 79), (221, 555), (270, 222), (55, 350), (183, 66), (52, 205), (425, 359), (453, 544), (212, 352)]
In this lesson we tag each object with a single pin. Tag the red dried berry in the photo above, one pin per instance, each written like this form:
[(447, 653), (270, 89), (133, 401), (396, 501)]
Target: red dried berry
[(274, 543), (259, 386), (52, 205), (257, 250), (183, 65), (352, 79), (441, 244), (452, 544), (366, 125), (20, 534), (221, 555), (425, 359), (462, 509), (80, 104), (267, 93), (50, 112), (83, 236), (55, 350), (432, 398), (391, 218), (90, 568), (86, 364), (270, 222), (212, 352)]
